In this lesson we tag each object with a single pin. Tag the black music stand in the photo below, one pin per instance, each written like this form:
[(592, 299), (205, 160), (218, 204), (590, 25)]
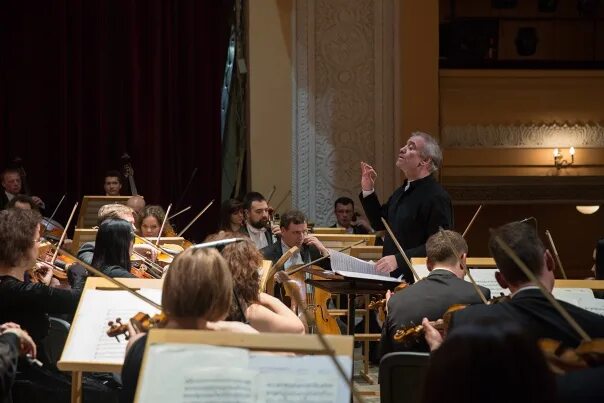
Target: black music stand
[(337, 284)]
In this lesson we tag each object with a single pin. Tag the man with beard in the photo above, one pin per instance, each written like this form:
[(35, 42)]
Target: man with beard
[(255, 208)]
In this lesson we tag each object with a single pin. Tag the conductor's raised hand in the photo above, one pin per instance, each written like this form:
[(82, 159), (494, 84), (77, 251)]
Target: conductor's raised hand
[(368, 176)]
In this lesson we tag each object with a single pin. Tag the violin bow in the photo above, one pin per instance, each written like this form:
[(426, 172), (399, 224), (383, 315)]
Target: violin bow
[(289, 192), (558, 261), (54, 256), (400, 249), (179, 213), (163, 224), (538, 283), (471, 221), (158, 270), (148, 242), (184, 192), (112, 280), (53, 213), (270, 196), (196, 217), (463, 265)]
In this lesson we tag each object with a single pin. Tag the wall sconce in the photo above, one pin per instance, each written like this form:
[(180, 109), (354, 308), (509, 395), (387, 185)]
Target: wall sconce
[(587, 209), (560, 162)]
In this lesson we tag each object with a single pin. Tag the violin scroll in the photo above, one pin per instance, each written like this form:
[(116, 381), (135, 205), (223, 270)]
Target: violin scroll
[(141, 322)]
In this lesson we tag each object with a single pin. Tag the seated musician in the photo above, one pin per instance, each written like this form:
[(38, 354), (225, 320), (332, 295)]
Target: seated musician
[(257, 224), (113, 248), (137, 204), (263, 312), (112, 183), (431, 297), (196, 294), (30, 303), (527, 307), (114, 211), (490, 362), (12, 186), (151, 221), (346, 218), (14, 342), (23, 202), (231, 216), (294, 232)]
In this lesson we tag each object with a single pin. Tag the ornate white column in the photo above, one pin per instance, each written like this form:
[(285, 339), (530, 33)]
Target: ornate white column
[(344, 101)]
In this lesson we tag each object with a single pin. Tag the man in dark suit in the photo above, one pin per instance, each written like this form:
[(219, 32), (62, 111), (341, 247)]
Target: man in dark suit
[(432, 296), (528, 306), (294, 232), (415, 211), (346, 217), (12, 186), (256, 211)]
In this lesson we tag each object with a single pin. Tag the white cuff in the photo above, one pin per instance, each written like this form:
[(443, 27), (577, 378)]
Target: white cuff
[(368, 192)]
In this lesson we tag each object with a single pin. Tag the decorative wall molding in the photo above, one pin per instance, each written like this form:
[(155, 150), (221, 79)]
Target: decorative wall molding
[(541, 191), (343, 101), (524, 136)]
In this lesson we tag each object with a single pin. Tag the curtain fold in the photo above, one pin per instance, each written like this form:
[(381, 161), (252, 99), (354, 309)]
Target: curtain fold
[(83, 81)]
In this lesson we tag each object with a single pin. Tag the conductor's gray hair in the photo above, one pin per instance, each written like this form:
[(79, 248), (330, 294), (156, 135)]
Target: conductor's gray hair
[(430, 150)]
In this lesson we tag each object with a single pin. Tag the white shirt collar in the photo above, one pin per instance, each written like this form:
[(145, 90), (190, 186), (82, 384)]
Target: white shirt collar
[(528, 287)]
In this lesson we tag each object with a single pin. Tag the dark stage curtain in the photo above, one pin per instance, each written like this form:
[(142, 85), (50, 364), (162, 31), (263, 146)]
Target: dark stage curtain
[(83, 81)]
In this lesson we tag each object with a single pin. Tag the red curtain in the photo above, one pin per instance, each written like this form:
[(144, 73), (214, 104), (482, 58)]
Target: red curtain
[(83, 81)]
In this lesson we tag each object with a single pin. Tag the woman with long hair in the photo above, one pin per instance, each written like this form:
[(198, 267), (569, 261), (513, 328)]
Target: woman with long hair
[(151, 220), (196, 294), (231, 215), (263, 312), (113, 248)]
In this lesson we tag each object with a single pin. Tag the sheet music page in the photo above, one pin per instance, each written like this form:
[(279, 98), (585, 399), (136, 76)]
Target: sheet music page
[(300, 378), (581, 297), (592, 305), (226, 374), (89, 341), (421, 270), (350, 266), (573, 296), (486, 278)]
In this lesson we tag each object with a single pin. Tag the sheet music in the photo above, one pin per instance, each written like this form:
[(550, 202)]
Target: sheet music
[(226, 374), (88, 340), (573, 295), (350, 266), (421, 270), (486, 278), (581, 297)]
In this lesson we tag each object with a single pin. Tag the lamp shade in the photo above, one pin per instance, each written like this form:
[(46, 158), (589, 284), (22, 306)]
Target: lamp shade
[(587, 209)]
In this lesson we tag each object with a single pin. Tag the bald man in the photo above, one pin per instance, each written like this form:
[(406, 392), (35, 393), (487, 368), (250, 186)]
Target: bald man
[(136, 203)]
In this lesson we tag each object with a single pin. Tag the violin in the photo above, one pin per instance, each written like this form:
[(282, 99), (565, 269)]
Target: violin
[(411, 335), (141, 322), (562, 359), (379, 305)]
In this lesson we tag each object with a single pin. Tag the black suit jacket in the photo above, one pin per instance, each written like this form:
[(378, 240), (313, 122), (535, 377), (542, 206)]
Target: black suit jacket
[(267, 234), (533, 312), (3, 199), (413, 216), (428, 298), (307, 252)]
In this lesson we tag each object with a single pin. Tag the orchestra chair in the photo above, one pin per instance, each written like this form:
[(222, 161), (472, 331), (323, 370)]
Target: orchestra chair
[(402, 376)]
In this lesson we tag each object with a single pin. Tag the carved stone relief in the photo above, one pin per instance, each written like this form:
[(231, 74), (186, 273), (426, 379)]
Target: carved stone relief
[(343, 101), (525, 136)]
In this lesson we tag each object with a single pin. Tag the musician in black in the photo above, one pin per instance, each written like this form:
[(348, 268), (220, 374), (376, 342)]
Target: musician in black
[(415, 210)]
